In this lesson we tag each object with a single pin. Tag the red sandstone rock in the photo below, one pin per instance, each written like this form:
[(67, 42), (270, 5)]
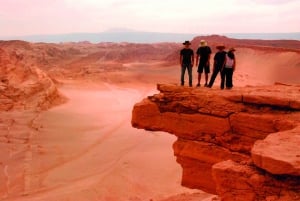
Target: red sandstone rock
[(279, 153), (246, 183), (197, 157), (214, 126)]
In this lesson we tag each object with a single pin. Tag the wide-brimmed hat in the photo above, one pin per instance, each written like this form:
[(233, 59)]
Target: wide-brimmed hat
[(231, 49), (220, 47), (203, 43), (187, 42)]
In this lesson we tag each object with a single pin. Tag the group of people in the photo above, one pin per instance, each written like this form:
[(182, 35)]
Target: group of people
[(224, 63)]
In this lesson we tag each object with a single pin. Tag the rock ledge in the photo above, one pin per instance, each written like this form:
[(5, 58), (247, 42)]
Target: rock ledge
[(245, 138)]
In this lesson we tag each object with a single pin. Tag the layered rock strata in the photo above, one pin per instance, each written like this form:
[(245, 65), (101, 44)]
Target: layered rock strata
[(24, 86), (242, 144)]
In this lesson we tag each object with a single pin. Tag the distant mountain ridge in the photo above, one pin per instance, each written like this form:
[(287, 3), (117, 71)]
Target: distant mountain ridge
[(143, 37), (114, 36)]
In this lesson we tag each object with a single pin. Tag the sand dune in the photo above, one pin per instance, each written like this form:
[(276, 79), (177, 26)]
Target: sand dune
[(267, 67)]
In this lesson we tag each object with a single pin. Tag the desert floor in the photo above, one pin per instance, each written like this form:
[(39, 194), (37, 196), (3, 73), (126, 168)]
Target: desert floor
[(87, 150)]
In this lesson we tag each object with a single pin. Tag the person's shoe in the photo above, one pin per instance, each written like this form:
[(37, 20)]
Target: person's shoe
[(205, 85), (198, 85), (190, 85)]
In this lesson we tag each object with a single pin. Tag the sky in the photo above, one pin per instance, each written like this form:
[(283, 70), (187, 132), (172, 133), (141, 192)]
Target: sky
[(33, 17)]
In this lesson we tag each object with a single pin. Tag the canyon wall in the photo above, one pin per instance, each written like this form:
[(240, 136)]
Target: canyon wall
[(241, 144)]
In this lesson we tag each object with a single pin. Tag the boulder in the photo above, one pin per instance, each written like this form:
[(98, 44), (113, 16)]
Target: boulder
[(279, 153)]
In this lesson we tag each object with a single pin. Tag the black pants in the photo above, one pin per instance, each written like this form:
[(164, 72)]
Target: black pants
[(213, 76), (187, 67), (226, 77)]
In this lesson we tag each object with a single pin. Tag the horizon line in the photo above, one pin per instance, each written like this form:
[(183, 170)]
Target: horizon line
[(137, 31)]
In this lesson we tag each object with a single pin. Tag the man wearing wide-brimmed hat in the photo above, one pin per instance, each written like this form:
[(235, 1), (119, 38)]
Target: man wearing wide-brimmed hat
[(219, 63), (203, 52), (186, 62)]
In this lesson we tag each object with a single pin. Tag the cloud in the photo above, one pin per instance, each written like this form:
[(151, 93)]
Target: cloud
[(23, 17)]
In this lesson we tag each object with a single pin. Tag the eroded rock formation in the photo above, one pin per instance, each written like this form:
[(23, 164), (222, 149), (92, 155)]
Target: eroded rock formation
[(24, 86), (241, 144)]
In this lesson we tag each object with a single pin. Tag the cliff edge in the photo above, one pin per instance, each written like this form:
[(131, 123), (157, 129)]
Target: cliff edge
[(242, 144)]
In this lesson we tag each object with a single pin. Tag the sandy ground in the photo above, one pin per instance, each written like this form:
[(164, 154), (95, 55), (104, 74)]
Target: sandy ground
[(86, 149)]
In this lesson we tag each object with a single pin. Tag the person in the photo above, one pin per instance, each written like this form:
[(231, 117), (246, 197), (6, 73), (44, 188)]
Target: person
[(219, 62), (186, 62), (228, 70), (204, 53)]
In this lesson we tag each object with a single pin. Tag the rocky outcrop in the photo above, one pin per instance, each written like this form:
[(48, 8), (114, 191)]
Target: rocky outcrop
[(24, 86), (240, 144)]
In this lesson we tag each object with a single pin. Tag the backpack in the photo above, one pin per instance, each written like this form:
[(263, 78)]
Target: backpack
[(229, 62)]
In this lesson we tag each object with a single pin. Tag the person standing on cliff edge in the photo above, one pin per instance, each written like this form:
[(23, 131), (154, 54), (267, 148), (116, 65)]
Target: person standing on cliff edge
[(203, 52), (226, 74), (187, 62), (219, 63)]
